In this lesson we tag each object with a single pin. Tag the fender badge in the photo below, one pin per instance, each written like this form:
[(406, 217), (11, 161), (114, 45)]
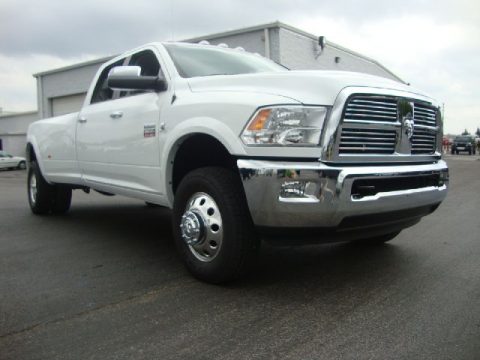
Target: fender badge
[(149, 131)]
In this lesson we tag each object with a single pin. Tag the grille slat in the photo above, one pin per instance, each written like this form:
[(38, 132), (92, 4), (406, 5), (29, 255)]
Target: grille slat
[(374, 102), (378, 139), (371, 123), (360, 106)]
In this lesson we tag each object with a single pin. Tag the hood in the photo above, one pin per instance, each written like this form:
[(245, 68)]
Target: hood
[(318, 87)]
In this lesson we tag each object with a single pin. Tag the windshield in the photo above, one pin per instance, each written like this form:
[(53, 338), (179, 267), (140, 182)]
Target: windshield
[(463, 138), (204, 60)]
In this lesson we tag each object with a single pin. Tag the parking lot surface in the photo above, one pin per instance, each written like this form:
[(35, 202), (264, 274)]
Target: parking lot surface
[(104, 282)]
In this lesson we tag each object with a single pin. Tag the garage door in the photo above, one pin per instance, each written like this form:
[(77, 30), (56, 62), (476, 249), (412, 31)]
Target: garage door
[(67, 104)]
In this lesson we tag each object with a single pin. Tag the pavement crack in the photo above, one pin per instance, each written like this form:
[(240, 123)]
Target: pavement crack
[(144, 297)]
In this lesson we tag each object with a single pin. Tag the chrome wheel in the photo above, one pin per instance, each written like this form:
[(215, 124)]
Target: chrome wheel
[(33, 188), (201, 227)]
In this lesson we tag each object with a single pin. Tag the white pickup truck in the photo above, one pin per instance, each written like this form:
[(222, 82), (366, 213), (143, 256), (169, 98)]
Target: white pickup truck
[(243, 149)]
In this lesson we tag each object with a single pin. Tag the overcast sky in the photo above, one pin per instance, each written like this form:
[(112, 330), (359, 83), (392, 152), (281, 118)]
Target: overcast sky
[(433, 44)]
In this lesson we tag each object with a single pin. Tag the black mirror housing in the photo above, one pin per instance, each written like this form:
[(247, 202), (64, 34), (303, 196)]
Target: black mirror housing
[(132, 82)]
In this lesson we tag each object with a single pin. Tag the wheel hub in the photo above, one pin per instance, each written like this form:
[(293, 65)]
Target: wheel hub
[(192, 226), (33, 188), (201, 227)]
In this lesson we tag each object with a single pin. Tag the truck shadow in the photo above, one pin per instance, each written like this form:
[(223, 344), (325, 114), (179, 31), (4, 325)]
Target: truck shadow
[(145, 233)]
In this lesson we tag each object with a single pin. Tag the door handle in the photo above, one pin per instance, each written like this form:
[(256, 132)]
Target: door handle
[(116, 114), (82, 119)]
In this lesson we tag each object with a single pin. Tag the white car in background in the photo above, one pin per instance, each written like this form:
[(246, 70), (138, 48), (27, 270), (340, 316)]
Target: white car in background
[(8, 161)]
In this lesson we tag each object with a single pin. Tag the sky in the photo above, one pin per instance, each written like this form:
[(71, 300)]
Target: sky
[(432, 44)]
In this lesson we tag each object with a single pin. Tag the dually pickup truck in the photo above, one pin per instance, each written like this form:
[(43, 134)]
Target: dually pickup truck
[(243, 149)]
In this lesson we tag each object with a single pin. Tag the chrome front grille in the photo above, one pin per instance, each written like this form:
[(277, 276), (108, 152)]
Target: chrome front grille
[(367, 141), (375, 124)]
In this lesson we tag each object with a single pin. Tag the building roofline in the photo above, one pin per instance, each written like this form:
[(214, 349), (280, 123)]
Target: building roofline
[(279, 24), (275, 24), (74, 66), (235, 31), (31, 112)]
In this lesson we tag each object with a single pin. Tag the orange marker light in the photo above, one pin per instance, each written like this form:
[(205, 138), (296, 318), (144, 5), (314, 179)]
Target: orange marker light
[(259, 120)]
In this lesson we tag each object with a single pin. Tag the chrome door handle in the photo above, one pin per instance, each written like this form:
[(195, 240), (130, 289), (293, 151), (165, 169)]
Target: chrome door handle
[(116, 114), (82, 119)]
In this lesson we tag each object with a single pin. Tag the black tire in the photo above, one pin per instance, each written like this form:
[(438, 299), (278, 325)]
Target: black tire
[(62, 200), (22, 165), (41, 194), (46, 198), (239, 243), (378, 240)]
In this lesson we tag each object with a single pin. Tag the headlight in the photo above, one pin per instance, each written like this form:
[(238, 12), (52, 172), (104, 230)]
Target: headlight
[(285, 125)]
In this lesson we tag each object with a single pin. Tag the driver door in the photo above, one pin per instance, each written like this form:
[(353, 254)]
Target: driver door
[(117, 134)]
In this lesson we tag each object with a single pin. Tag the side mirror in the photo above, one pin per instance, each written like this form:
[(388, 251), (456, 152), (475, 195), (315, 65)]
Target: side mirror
[(129, 78)]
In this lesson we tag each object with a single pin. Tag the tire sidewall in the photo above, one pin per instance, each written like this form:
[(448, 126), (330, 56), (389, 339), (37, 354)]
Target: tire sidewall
[(228, 256), (43, 200)]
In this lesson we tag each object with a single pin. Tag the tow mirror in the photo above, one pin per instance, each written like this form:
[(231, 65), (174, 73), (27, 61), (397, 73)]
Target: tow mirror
[(129, 78)]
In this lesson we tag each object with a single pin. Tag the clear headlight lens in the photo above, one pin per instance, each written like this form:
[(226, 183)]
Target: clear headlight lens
[(285, 125)]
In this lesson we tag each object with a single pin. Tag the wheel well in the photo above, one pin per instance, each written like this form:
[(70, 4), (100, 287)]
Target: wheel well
[(198, 151), (30, 153)]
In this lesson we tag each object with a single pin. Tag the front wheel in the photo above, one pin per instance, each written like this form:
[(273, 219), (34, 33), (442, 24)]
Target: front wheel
[(213, 231), (22, 165)]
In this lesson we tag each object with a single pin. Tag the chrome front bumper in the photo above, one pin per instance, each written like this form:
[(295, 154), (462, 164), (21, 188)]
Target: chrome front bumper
[(316, 195)]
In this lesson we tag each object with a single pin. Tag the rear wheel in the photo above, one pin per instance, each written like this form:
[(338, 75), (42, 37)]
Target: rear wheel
[(213, 230), (63, 199), (43, 197)]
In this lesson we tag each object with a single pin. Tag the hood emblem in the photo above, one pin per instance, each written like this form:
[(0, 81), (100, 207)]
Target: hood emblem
[(407, 110), (408, 125)]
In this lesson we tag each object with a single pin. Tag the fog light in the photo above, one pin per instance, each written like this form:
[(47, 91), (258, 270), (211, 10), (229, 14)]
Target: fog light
[(298, 191), (443, 178), (292, 189)]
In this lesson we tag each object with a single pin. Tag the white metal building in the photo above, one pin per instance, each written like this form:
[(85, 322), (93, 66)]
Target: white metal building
[(60, 91)]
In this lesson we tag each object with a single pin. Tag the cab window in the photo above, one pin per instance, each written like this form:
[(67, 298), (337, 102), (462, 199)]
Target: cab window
[(102, 92), (148, 62)]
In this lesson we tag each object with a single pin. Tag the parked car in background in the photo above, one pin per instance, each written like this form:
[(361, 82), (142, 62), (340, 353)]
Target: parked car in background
[(8, 161), (464, 143)]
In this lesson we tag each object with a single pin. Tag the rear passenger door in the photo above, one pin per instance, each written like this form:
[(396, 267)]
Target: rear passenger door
[(117, 136)]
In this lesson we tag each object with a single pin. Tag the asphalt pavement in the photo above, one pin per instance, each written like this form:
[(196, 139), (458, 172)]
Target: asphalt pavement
[(104, 282)]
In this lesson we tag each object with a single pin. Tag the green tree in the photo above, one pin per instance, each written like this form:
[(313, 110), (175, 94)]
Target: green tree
[(478, 132), (465, 132)]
